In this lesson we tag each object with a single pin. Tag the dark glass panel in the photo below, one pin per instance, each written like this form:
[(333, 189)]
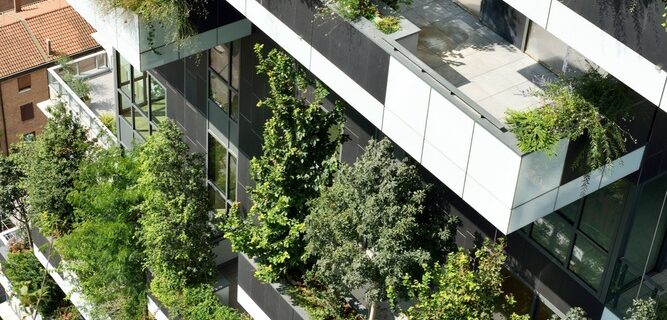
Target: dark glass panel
[(219, 92), (232, 178), (588, 261), (602, 213), (217, 163), (554, 233)]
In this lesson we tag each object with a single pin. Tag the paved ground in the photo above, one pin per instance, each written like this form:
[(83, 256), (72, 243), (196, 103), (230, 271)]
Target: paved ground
[(491, 71), (102, 93)]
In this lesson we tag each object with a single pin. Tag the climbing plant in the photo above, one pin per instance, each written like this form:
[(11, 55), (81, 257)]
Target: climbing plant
[(299, 156), (588, 106)]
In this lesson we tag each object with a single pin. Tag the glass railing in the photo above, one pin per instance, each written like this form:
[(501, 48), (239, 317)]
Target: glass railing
[(83, 68)]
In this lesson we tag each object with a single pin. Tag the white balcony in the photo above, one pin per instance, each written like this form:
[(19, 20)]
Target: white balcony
[(94, 70), (129, 34)]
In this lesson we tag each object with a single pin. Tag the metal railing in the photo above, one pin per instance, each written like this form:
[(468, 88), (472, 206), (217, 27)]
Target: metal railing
[(59, 91)]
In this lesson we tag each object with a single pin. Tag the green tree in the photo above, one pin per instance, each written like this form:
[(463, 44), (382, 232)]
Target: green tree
[(175, 230), (467, 287), (298, 158), (13, 197), (51, 164), (34, 287), (642, 309), (364, 229)]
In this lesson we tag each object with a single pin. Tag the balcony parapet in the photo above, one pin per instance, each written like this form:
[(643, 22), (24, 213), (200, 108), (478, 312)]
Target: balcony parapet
[(87, 68)]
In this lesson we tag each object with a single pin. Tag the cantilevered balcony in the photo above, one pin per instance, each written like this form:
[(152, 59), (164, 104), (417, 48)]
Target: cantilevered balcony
[(146, 46), (439, 88), (93, 71)]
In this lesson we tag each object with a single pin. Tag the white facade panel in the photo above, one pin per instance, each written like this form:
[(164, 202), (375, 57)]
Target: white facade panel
[(443, 168), (399, 131), (486, 204), (622, 167), (494, 165), (532, 210), (536, 10), (407, 95), (574, 190), (449, 130), (610, 54), (250, 306)]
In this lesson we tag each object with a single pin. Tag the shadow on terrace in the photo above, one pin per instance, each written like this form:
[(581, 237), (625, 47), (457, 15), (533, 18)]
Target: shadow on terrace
[(489, 70)]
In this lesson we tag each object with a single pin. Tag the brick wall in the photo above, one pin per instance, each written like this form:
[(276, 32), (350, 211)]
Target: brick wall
[(12, 127)]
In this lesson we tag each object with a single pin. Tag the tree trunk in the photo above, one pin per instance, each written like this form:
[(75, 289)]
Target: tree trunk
[(26, 225), (373, 312)]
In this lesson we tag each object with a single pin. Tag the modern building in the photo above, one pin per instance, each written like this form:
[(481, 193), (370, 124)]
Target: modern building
[(439, 89), (32, 36)]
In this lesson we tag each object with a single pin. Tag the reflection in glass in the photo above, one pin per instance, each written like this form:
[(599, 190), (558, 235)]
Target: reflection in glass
[(554, 234), (602, 213), (236, 64), (588, 261), (219, 92), (220, 60), (232, 178), (140, 93), (234, 111), (141, 124), (215, 201), (543, 312), (125, 107), (158, 102), (125, 75), (217, 163)]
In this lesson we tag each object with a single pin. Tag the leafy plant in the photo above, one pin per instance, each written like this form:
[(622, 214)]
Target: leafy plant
[(80, 87), (197, 303), (364, 230), (51, 164), (298, 158), (320, 302), (32, 284), (353, 9), (108, 119), (387, 24), (588, 106), (13, 197), (466, 287), (175, 230), (642, 309)]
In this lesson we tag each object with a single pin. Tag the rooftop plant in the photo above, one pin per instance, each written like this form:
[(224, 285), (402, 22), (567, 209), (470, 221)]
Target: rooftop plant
[(590, 106), (354, 9), (298, 159)]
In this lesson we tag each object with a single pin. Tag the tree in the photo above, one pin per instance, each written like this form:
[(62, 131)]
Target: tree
[(50, 164), (642, 309), (13, 197), (467, 287), (298, 158), (364, 228), (175, 230)]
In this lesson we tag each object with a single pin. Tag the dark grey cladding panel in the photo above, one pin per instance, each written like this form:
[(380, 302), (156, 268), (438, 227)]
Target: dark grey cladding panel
[(175, 106), (504, 20), (195, 91), (353, 53), (171, 73), (359, 131), (296, 14), (217, 14), (195, 124), (640, 30), (249, 77), (550, 280)]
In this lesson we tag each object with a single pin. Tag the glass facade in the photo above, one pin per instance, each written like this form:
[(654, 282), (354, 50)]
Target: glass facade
[(581, 235), (223, 76), (222, 166), (142, 99)]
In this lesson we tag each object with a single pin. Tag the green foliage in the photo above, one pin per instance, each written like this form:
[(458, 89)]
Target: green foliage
[(107, 260), (353, 9), (365, 230), (575, 313), (387, 24), (164, 13), (80, 87), (175, 230), (13, 197), (590, 106), (108, 119), (33, 285), (195, 303), (50, 164), (321, 303), (642, 309), (298, 158), (467, 287)]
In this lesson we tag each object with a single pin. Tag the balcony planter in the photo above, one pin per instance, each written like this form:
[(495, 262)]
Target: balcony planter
[(148, 46), (12, 300)]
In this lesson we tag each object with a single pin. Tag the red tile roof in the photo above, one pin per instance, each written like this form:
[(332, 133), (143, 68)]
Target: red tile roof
[(23, 43)]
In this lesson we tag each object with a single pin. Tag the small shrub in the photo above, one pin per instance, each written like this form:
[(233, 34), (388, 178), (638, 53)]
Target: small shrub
[(387, 24), (108, 119), (353, 9), (193, 303)]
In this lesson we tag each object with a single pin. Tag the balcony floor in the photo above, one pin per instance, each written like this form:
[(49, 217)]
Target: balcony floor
[(102, 98), (488, 69)]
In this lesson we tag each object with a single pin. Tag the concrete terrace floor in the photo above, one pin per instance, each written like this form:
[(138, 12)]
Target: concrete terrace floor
[(488, 69), (102, 98)]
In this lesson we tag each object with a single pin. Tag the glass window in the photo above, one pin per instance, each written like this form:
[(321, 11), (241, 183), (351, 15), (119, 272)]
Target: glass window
[(543, 312), (215, 200), (27, 112), (141, 124), (588, 261), (24, 82), (236, 64), (602, 213), (217, 163), (232, 178), (125, 108), (124, 74), (554, 233), (571, 211), (234, 111), (139, 86), (158, 101), (219, 92), (220, 60), (521, 293)]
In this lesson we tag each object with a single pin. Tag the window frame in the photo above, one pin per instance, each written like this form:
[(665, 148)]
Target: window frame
[(25, 107), (232, 90), (18, 83)]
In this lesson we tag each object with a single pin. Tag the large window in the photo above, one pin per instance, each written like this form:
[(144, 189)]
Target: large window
[(222, 166), (224, 77), (581, 235), (142, 99)]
